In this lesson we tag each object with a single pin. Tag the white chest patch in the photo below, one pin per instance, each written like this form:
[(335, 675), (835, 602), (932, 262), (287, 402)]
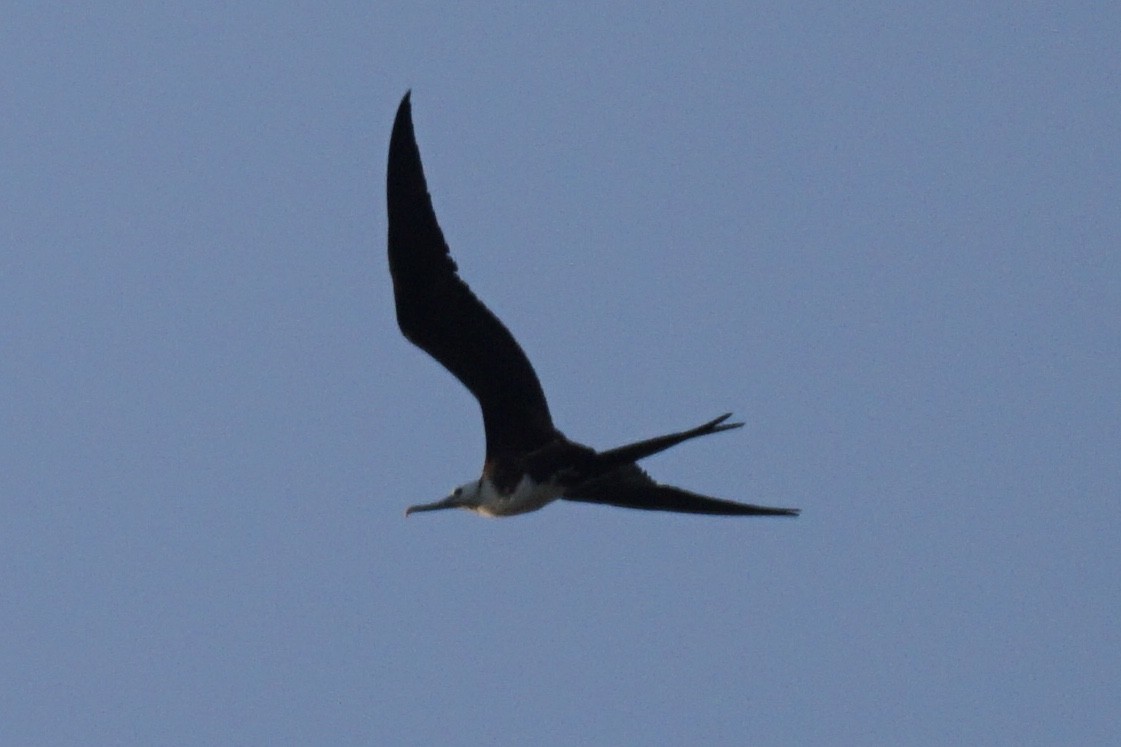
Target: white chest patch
[(527, 496)]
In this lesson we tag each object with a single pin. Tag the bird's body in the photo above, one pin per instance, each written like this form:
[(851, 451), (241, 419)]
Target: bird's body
[(529, 463), (484, 498)]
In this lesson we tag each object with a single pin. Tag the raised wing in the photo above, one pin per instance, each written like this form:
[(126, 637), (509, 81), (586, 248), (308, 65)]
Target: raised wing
[(438, 313)]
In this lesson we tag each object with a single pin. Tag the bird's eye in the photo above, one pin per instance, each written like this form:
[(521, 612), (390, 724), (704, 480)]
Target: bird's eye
[(457, 491)]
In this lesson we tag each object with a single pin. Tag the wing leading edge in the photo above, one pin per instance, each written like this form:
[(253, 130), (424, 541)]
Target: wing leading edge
[(631, 487), (438, 313)]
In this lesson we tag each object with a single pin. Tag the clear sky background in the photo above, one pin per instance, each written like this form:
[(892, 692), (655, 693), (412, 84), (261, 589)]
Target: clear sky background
[(888, 238)]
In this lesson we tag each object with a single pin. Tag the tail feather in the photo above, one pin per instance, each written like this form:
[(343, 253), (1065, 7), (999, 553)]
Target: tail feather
[(608, 460), (612, 477)]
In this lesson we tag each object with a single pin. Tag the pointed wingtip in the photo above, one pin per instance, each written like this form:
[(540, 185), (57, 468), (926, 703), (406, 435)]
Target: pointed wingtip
[(769, 511), (405, 108)]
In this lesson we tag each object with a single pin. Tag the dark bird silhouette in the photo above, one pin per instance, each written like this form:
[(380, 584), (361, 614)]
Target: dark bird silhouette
[(529, 463)]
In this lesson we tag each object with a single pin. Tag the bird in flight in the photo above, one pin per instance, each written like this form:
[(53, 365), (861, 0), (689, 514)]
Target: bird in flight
[(529, 463)]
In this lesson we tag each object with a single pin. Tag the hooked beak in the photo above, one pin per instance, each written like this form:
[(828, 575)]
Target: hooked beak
[(450, 502)]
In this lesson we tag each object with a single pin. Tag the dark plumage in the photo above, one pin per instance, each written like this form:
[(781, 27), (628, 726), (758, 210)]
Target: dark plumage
[(529, 463)]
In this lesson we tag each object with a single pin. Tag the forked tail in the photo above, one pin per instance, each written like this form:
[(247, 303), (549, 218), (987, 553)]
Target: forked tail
[(608, 460)]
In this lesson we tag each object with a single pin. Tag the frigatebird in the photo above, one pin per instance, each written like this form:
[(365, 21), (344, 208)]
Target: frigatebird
[(529, 463)]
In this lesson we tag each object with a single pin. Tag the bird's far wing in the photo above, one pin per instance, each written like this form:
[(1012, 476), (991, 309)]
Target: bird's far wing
[(439, 314), (630, 487)]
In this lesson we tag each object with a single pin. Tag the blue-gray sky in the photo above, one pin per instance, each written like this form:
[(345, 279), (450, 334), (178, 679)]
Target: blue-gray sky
[(887, 238)]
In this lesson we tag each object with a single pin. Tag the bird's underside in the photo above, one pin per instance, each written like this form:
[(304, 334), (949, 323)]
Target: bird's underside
[(529, 463)]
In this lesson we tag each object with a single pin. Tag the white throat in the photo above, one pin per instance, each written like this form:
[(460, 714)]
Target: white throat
[(527, 496)]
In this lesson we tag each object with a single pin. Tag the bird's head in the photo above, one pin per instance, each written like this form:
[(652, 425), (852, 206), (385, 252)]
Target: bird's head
[(465, 496)]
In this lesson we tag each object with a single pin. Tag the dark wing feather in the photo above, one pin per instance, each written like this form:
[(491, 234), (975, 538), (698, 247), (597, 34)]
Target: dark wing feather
[(439, 314), (630, 487)]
